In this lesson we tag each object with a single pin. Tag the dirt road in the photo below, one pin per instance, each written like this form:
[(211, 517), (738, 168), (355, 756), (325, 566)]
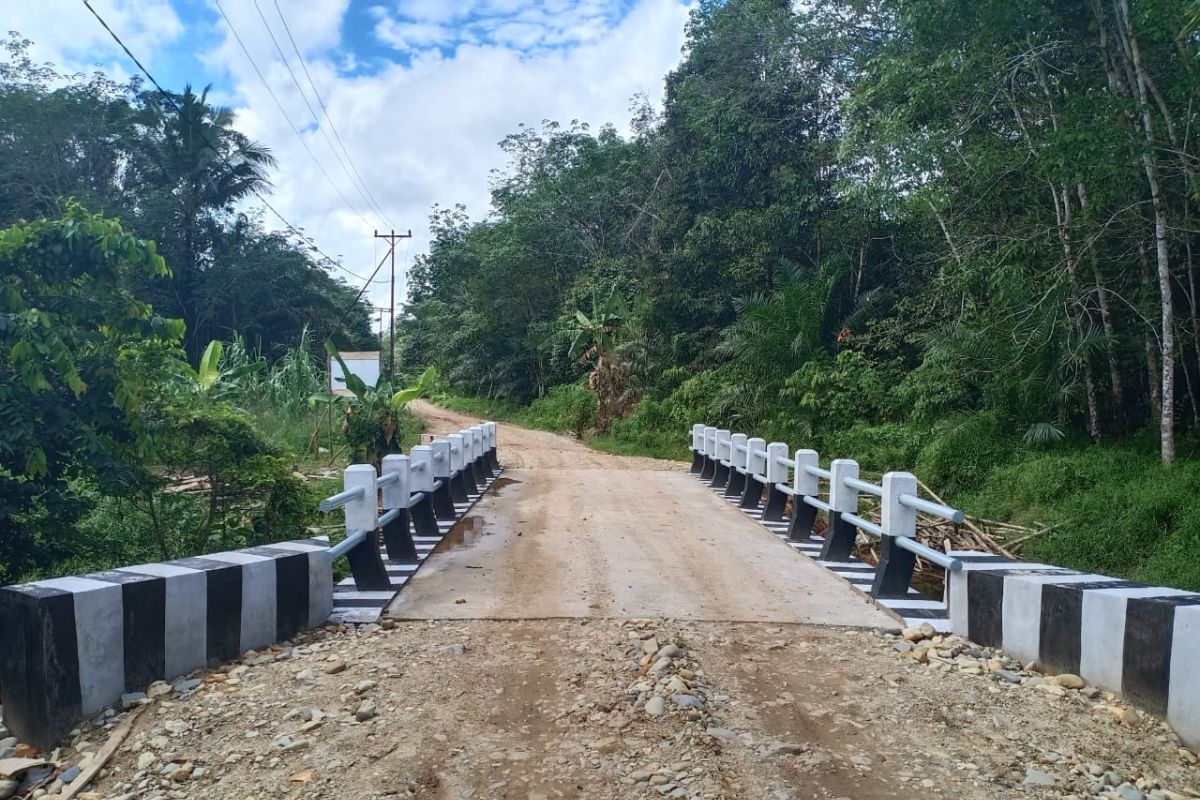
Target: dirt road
[(570, 532)]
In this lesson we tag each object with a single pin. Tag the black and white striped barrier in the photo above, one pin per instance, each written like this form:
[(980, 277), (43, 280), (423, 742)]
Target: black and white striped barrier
[(1141, 641), (72, 646)]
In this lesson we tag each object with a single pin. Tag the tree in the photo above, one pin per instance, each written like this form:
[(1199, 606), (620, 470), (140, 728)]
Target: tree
[(194, 166), (68, 315)]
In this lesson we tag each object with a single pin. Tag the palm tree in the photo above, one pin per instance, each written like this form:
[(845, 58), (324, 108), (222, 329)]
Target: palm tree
[(197, 166), (777, 332)]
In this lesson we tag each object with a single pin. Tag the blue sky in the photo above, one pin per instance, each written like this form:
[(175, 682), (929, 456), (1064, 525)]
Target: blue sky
[(420, 91)]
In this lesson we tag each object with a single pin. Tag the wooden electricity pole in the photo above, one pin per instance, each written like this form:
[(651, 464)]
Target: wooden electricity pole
[(392, 237)]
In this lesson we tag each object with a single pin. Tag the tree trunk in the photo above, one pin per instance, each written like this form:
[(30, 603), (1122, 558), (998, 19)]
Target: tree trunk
[(1149, 346), (1110, 336), (1161, 250), (1093, 411)]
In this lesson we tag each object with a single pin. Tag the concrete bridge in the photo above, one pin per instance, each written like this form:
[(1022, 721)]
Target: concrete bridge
[(528, 618)]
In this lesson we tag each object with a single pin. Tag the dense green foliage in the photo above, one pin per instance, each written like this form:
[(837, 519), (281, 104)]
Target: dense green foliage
[(172, 170), (954, 237), (127, 431), (113, 447)]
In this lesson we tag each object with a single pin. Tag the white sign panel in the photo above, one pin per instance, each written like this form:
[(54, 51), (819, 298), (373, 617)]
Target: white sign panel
[(364, 365)]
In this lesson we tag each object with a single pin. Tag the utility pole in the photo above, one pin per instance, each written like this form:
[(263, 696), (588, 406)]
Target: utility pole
[(392, 237)]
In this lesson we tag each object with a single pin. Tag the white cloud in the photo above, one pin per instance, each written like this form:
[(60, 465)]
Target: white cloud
[(146, 26), (412, 35), (426, 132)]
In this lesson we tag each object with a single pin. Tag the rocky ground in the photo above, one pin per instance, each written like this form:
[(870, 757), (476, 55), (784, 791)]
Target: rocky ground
[(598, 708)]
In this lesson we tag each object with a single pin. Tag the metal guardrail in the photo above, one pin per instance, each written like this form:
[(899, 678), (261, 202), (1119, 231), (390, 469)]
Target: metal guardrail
[(936, 509), (943, 560), (816, 502), (900, 503), (352, 540), (864, 486), (410, 494), (341, 499), (861, 523)]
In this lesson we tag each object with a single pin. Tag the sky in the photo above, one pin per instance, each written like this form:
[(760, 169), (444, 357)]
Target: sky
[(412, 96)]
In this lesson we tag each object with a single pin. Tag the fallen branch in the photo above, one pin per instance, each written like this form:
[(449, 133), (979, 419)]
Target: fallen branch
[(103, 756)]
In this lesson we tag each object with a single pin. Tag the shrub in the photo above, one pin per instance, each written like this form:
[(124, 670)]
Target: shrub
[(1109, 510), (650, 430), (879, 448), (569, 407), (962, 451)]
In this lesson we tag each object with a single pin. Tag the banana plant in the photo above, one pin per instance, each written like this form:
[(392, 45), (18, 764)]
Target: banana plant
[(594, 341), (423, 384), (370, 421), (208, 376)]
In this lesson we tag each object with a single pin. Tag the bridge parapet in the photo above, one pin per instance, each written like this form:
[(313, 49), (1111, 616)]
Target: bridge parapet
[(1141, 641), (72, 646)]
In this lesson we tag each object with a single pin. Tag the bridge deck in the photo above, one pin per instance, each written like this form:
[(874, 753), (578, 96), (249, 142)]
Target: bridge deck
[(570, 532)]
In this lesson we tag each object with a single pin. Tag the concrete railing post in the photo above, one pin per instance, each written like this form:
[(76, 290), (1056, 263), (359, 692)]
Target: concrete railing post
[(493, 460), (804, 484), (710, 453), (422, 471), (697, 448), (777, 473), (720, 475), (458, 484), (839, 539), (756, 467), (737, 465), (443, 506), (468, 462), (477, 454), (397, 534), (894, 575), (362, 514)]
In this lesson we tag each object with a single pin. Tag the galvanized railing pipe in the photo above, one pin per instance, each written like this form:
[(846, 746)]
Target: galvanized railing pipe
[(353, 539), (943, 560), (341, 499), (863, 524), (865, 486), (936, 509)]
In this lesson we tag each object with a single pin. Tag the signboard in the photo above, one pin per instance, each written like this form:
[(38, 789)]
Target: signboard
[(364, 365)]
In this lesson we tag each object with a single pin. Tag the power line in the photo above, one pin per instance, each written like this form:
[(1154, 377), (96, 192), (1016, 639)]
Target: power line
[(225, 159), (371, 279), (367, 200), (286, 116), (325, 111)]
